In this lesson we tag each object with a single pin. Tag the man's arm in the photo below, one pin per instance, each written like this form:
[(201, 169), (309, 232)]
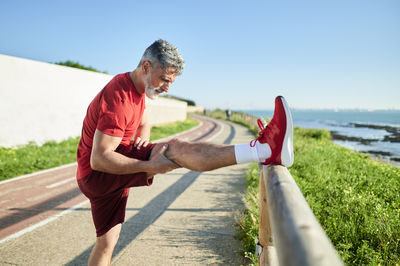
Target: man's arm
[(143, 133), (104, 158)]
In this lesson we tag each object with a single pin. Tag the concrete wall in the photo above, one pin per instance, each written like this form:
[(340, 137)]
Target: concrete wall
[(41, 101), (193, 109), (162, 110)]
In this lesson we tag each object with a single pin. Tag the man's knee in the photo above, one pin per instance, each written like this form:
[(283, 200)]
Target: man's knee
[(108, 241), (186, 154), (176, 149), (156, 149)]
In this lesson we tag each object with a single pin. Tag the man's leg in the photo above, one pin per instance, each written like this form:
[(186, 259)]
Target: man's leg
[(102, 251), (274, 145), (108, 196), (200, 156)]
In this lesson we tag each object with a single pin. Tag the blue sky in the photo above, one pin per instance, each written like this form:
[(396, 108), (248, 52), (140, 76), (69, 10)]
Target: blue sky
[(239, 54)]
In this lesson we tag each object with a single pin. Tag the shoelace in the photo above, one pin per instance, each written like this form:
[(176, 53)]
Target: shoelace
[(260, 134)]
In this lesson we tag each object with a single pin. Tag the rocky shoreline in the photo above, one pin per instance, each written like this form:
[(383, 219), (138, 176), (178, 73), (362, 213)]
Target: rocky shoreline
[(393, 131), (393, 136)]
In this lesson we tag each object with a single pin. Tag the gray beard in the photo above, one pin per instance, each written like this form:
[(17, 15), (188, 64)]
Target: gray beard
[(151, 92)]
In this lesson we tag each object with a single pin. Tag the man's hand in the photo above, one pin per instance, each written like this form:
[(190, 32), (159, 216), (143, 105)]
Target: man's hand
[(140, 142), (142, 133), (159, 163)]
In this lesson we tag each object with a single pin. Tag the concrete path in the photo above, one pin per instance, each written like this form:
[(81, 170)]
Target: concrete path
[(185, 217)]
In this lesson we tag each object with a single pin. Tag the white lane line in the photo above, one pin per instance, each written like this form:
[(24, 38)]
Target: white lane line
[(218, 133), (62, 182), (44, 222)]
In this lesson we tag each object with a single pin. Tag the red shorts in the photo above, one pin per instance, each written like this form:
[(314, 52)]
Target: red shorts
[(108, 193)]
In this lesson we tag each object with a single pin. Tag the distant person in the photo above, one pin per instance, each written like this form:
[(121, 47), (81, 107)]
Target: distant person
[(228, 114), (110, 162)]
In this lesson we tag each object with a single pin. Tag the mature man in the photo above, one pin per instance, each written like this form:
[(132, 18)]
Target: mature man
[(109, 162)]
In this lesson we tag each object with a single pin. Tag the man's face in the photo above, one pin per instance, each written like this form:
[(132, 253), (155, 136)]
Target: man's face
[(158, 81)]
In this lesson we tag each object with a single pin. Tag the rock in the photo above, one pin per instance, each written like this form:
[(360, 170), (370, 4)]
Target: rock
[(337, 136)]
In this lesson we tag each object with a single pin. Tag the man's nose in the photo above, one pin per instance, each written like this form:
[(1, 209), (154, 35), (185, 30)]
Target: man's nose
[(165, 87)]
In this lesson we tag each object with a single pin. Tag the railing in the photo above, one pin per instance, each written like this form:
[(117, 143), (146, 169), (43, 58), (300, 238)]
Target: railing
[(289, 233)]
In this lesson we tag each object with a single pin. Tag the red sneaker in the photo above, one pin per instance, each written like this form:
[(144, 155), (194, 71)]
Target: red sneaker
[(278, 134)]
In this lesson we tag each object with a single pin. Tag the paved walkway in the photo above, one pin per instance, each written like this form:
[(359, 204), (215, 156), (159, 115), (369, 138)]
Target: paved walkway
[(185, 217)]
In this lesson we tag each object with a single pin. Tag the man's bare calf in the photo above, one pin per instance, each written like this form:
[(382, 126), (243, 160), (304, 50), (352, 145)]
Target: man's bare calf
[(200, 156)]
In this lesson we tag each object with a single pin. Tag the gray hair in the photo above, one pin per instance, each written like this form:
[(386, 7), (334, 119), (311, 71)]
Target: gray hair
[(165, 55)]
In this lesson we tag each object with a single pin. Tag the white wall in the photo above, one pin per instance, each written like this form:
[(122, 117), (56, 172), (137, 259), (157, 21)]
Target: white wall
[(193, 109), (162, 110), (41, 101)]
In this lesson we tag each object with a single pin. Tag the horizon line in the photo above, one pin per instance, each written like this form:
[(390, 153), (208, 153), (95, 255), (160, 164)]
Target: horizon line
[(326, 109)]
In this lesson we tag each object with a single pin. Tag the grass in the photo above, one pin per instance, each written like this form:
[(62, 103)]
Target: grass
[(248, 225), (355, 198), (160, 132), (237, 117), (32, 157)]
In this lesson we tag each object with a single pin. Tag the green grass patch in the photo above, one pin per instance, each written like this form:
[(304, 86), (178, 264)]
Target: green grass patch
[(160, 132), (32, 157), (355, 198), (237, 117), (249, 224)]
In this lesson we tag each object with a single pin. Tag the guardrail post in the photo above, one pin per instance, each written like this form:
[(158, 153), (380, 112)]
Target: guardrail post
[(268, 255)]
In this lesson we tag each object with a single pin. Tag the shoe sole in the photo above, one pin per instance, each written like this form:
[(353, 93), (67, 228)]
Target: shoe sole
[(287, 156)]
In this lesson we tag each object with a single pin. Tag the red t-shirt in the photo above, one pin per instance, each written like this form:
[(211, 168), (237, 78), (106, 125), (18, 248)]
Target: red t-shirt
[(116, 111)]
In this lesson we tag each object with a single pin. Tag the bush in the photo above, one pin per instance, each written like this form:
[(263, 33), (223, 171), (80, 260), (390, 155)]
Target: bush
[(70, 63), (320, 134)]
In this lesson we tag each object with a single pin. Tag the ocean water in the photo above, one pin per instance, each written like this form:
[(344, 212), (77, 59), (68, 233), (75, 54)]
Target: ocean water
[(375, 132)]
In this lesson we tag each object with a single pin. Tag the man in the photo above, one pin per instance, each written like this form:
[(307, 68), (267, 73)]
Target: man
[(109, 162)]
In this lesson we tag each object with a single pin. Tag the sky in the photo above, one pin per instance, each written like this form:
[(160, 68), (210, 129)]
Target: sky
[(239, 54)]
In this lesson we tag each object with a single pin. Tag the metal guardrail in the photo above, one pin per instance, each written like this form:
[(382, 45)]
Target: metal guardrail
[(289, 233)]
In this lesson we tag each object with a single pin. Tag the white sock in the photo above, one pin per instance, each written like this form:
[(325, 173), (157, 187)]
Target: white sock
[(244, 153)]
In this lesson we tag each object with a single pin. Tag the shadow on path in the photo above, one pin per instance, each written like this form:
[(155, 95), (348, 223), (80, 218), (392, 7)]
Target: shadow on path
[(134, 226), (148, 213)]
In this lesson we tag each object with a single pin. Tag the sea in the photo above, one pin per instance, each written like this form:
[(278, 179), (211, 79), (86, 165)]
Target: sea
[(376, 132)]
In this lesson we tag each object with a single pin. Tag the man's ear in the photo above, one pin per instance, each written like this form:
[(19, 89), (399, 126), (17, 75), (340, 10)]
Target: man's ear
[(146, 67)]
